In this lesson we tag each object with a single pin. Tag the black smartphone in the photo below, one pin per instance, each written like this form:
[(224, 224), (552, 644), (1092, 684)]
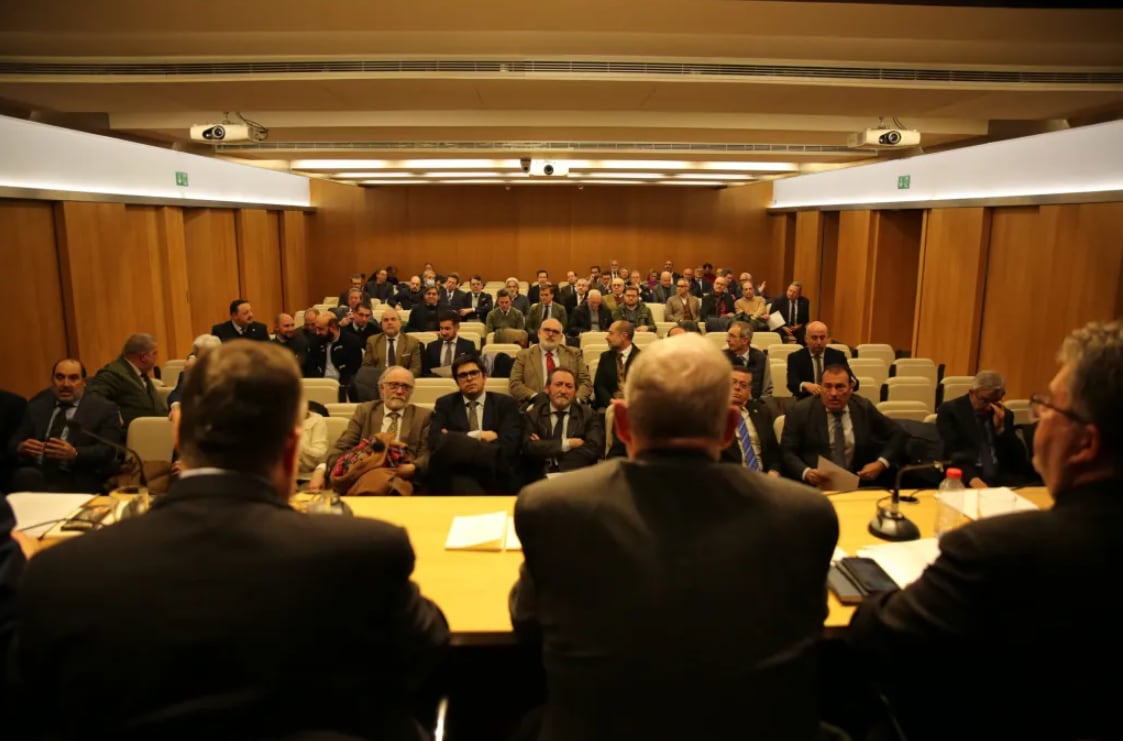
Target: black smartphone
[(87, 518), (843, 588), (867, 575)]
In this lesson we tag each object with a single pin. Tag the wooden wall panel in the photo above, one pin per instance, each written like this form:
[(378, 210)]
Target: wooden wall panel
[(892, 298), (807, 263), (259, 262), (851, 277), (1050, 269), (294, 262), (34, 336), (212, 265), (782, 242), (172, 252), (111, 276), (953, 260)]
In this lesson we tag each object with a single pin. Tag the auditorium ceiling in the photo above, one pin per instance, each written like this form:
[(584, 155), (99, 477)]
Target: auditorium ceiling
[(634, 91)]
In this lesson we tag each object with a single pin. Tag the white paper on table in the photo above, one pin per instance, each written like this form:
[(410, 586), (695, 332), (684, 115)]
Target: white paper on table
[(838, 478), (838, 555), (904, 562), (997, 501), (42, 510), (512, 542), (477, 532), (776, 320)]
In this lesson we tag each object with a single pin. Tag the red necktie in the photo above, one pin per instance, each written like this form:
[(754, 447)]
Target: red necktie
[(550, 365)]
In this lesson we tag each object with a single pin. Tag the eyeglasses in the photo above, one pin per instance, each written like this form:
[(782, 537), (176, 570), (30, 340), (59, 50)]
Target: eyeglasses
[(1038, 402), (465, 375), (394, 385)]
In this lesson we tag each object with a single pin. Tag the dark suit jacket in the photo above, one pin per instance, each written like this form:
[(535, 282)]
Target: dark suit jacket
[(491, 464), (582, 319), (762, 420), (715, 306), (483, 305), (455, 301), (343, 297), (407, 299), (424, 318), (643, 617), (962, 438), (95, 461), (298, 345), (801, 369), (384, 292), (1011, 604), (758, 365), (663, 295), (227, 332), (367, 421), (802, 312), (534, 292), (363, 335), (500, 414), (806, 437), (431, 358), (12, 407), (604, 384), (346, 356), (584, 422), (120, 384), (197, 617), (12, 564)]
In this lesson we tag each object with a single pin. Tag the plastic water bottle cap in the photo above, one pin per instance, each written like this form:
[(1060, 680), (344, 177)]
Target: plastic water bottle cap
[(955, 473)]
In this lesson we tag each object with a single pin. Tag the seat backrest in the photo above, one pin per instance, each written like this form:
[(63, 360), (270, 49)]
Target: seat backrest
[(869, 389), (915, 388), (341, 410), (498, 386), (477, 327), (507, 348), (768, 340), (643, 339), (718, 339), (474, 337), (779, 370), (884, 352), (328, 382), (844, 349), (323, 394), (298, 318), (898, 404), (778, 426), (430, 392), (589, 338), (1020, 408), (780, 352), (151, 438), (336, 426), (661, 328), (952, 387), (593, 350), (423, 337), (917, 415), (917, 367), (170, 372), (658, 311)]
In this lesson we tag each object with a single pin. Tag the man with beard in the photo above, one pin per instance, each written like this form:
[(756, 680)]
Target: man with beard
[(409, 294), (427, 317), (335, 355), (558, 435), (535, 364), (285, 334)]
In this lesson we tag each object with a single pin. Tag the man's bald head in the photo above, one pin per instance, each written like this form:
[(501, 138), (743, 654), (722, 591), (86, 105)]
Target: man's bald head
[(817, 337)]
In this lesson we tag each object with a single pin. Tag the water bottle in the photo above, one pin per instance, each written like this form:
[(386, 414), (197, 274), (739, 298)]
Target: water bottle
[(951, 489)]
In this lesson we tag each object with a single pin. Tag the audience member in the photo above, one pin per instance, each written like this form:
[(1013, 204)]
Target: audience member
[(507, 322), (806, 366), (356, 285), (427, 316), (286, 335), (979, 437), (614, 364), (665, 290), (380, 287), (547, 308), (360, 324), (578, 293), (751, 308), (451, 296), (754, 445), (614, 269), (739, 339), (534, 294), (616, 295), (976, 619), (353, 299), (50, 455), (241, 324), (566, 290), (197, 616), (559, 435), (479, 303), (717, 308), (590, 316), (846, 429), (518, 301), (474, 437), (12, 407), (534, 365), (683, 306), (309, 329), (409, 294), (656, 564), (695, 285), (126, 382), (796, 311), (202, 344), (634, 312), (392, 347), (448, 347), (335, 355)]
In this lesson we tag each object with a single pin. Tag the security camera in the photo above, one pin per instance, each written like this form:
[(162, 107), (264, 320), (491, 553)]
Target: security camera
[(525, 162), (227, 132)]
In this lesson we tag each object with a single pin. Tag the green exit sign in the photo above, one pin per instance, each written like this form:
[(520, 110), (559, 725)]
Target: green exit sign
[(181, 179), (903, 182)]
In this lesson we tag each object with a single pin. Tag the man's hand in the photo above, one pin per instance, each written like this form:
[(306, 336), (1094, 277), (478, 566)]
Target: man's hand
[(814, 478), (489, 436), (787, 330), (871, 470), (811, 388), (177, 469), (774, 473), (59, 450), (534, 437), (999, 413), (575, 442), (31, 448), (466, 311), (316, 483), (762, 286), (406, 470), (977, 483), (27, 544)]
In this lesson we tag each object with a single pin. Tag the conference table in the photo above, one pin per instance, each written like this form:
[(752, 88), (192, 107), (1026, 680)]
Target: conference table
[(472, 586)]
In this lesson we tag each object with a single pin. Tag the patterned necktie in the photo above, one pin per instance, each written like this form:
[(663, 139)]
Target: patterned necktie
[(620, 376), (747, 452), (838, 441), (394, 419), (447, 359), (391, 356), (473, 416), (550, 364)]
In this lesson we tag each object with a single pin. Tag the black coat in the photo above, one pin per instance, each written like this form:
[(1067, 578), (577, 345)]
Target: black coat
[(227, 332), (346, 356), (801, 369), (431, 358), (605, 383), (769, 446), (805, 436), (963, 437)]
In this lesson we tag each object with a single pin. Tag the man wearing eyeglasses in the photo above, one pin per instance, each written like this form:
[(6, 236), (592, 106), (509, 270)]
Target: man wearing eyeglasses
[(474, 436), (684, 305), (978, 436), (1021, 603), (535, 364)]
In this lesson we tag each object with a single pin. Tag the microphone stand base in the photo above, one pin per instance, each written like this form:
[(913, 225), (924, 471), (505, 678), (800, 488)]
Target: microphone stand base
[(890, 525)]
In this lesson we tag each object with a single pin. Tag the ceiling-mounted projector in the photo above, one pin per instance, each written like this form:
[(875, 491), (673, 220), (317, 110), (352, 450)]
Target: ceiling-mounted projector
[(885, 139), (228, 132)]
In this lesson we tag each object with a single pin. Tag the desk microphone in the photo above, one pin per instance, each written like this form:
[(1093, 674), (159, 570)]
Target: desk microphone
[(889, 523), (140, 504)]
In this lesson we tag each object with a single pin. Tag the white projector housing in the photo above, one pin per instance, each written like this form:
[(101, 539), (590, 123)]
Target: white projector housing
[(885, 139), (227, 132), (547, 169)]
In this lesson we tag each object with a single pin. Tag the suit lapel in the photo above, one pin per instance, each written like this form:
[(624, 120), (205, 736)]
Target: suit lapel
[(376, 420)]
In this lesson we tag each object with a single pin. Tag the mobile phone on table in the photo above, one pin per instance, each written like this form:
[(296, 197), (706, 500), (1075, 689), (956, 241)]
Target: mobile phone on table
[(867, 575), (846, 591), (88, 518)]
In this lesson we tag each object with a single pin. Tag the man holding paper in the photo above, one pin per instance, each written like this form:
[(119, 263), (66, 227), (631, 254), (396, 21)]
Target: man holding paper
[(651, 582), (1017, 621), (844, 430)]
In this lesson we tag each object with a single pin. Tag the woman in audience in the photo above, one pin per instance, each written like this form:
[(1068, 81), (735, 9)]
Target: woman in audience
[(518, 301)]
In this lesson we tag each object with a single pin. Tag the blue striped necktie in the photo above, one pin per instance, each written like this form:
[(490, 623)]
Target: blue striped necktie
[(747, 445)]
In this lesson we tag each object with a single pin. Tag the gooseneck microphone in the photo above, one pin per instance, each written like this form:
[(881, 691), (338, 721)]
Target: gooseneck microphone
[(76, 427), (889, 523)]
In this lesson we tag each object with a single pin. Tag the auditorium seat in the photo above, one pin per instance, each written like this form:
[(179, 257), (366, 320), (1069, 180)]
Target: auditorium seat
[(498, 386), (916, 367), (428, 390), (778, 426), (874, 368), (657, 311), (321, 393), (780, 352), (779, 369), (341, 410), (873, 350), (320, 382), (423, 337), (477, 327), (643, 339), (336, 426), (590, 338), (593, 350), (403, 314), (913, 410), (718, 339), (331, 300), (425, 405), (507, 348), (1020, 408), (869, 388), (151, 438), (931, 419), (952, 387), (844, 349), (298, 319), (163, 391), (767, 340), (170, 370), (661, 328), (911, 388), (473, 336)]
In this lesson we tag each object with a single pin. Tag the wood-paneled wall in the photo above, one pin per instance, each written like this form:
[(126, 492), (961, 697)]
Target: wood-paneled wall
[(498, 232), (893, 282)]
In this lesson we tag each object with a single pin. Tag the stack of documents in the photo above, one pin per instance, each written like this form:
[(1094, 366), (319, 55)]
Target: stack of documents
[(904, 562), (494, 531)]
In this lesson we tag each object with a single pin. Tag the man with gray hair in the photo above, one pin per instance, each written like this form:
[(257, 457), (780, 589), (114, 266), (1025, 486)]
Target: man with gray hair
[(796, 311), (1023, 601), (126, 381), (203, 344), (979, 438), (670, 566)]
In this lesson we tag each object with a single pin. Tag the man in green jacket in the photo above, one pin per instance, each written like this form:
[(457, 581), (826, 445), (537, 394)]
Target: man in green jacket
[(126, 382)]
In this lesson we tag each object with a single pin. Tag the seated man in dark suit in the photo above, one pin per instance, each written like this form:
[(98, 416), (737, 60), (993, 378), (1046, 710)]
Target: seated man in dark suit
[(978, 436), (451, 297), (805, 367), (796, 311), (126, 382), (228, 578), (477, 304), (534, 293), (335, 354), (52, 452), (356, 285), (615, 362), (843, 428), (646, 565), (380, 287), (287, 335), (558, 435), (1015, 602), (241, 324), (474, 436), (409, 294), (754, 445), (717, 308), (593, 315), (427, 316), (448, 347), (360, 324), (740, 350)]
